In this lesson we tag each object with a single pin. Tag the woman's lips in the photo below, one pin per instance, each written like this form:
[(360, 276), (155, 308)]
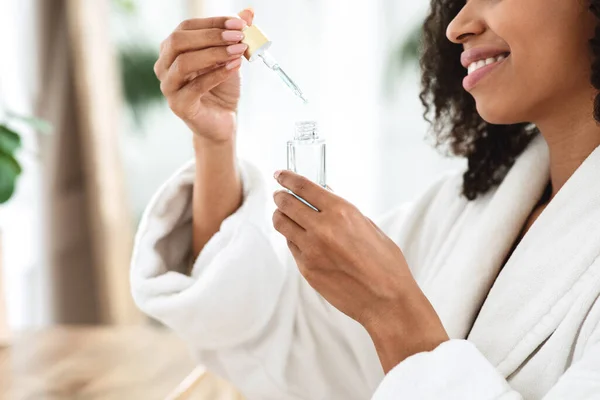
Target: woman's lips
[(481, 53), (474, 78)]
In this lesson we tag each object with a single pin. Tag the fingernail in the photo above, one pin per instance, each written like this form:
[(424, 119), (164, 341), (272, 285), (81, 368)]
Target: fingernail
[(276, 174), (239, 48), (235, 23), (233, 64), (232, 36)]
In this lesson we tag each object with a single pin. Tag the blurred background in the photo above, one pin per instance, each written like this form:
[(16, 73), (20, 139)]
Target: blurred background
[(95, 139), (86, 139)]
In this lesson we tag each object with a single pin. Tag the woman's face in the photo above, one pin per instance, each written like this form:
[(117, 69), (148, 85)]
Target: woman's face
[(548, 67)]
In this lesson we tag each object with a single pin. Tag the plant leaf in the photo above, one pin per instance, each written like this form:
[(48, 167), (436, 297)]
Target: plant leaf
[(409, 51), (127, 6), (141, 88), (36, 123), (10, 140), (9, 172)]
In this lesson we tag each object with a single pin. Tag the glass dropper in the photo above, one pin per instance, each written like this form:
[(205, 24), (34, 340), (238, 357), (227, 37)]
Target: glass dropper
[(274, 65), (258, 46)]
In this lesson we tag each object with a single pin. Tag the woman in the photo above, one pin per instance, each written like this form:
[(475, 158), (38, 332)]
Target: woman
[(486, 287)]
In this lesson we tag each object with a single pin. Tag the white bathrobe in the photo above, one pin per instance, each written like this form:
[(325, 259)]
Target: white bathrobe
[(529, 330)]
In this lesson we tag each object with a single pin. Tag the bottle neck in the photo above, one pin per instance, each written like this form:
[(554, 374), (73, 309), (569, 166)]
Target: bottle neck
[(306, 130)]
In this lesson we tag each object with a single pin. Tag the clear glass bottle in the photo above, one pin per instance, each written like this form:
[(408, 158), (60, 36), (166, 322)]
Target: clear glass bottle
[(306, 154)]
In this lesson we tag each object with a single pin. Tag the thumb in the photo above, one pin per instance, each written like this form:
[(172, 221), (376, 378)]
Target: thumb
[(375, 226), (247, 15)]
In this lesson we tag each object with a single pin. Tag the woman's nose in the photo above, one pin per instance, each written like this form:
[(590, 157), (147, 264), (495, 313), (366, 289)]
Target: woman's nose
[(465, 25)]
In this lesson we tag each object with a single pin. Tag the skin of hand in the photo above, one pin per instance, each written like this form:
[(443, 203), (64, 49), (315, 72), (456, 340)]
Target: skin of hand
[(199, 72), (357, 268)]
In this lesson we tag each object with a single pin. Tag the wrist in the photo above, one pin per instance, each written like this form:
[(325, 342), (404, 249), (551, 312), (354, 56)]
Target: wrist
[(215, 160), (203, 144), (404, 330)]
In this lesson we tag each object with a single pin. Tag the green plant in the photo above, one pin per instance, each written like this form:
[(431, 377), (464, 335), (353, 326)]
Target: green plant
[(403, 55), (127, 6), (10, 143), (409, 49), (140, 86)]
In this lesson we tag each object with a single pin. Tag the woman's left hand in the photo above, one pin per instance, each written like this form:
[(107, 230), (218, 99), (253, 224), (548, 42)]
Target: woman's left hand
[(357, 268)]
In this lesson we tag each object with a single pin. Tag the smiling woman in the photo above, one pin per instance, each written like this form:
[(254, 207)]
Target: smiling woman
[(487, 286), (549, 66)]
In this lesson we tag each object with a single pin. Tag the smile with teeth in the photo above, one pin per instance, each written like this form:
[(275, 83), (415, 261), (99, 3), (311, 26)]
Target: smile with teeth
[(474, 66)]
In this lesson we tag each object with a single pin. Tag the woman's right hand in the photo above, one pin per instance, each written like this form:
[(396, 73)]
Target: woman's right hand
[(198, 69)]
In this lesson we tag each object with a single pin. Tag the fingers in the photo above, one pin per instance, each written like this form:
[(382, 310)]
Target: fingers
[(190, 35), (181, 42), (247, 15), (210, 32), (199, 55), (294, 209), (180, 101), (288, 228), (375, 226), (295, 250), (203, 23), (305, 188), (188, 66)]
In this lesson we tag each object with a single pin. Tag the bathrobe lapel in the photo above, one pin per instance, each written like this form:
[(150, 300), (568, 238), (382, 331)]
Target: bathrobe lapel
[(466, 268), (550, 266)]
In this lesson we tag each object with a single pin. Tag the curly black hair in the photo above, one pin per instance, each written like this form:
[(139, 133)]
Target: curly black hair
[(490, 149)]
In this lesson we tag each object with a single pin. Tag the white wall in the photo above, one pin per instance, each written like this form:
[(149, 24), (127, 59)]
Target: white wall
[(152, 152), (21, 218), (411, 163)]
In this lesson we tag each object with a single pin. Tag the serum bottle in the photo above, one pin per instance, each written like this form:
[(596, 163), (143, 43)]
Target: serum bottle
[(306, 151), (306, 155)]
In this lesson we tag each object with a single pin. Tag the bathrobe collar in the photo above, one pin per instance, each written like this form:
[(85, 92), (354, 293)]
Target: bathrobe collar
[(508, 312)]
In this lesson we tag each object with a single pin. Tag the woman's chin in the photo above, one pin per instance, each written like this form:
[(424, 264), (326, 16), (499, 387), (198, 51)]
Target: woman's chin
[(497, 114)]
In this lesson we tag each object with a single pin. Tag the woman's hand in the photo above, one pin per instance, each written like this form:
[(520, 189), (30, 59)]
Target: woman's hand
[(357, 268), (199, 73)]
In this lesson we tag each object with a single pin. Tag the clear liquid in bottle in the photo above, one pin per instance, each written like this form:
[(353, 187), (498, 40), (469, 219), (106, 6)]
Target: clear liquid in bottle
[(306, 155)]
